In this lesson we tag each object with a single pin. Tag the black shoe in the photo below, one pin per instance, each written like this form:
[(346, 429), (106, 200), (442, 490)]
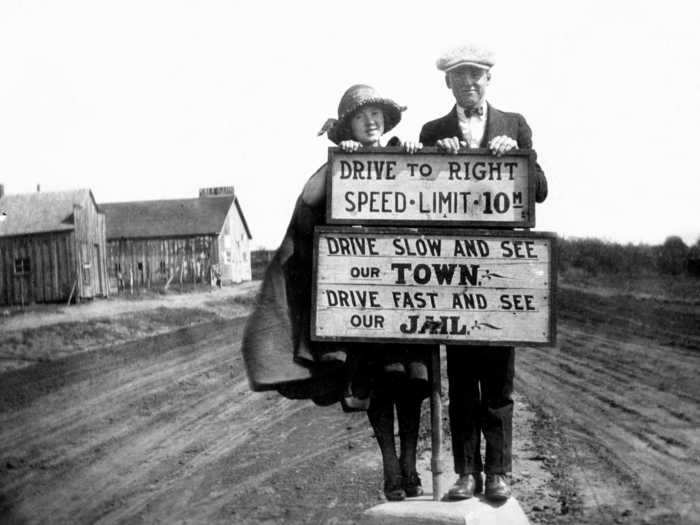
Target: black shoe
[(393, 488), (463, 488), (497, 488), (412, 485)]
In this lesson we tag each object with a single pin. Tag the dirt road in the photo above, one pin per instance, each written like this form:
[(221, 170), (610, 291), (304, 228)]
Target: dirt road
[(164, 430), (623, 383), (167, 430), (161, 431)]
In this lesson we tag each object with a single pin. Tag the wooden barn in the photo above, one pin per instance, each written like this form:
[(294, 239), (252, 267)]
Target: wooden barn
[(156, 243), (52, 247)]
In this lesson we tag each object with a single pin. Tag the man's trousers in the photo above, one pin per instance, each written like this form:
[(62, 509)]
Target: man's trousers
[(480, 392)]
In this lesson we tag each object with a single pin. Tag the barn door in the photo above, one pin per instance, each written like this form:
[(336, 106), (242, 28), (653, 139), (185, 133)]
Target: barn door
[(97, 265), (22, 282), (88, 270)]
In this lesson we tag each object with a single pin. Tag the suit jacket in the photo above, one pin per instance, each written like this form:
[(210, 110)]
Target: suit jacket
[(498, 123)]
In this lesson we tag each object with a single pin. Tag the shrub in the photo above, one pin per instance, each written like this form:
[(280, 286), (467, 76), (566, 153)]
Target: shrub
[(672, 256)]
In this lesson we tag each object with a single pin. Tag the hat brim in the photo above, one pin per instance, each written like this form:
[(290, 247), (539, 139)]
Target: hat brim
[(467, 63), (392, 116)]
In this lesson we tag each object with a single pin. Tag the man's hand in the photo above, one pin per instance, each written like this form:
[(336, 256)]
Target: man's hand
[(350, 146), (450, 145), (502, 144), (411, 147)]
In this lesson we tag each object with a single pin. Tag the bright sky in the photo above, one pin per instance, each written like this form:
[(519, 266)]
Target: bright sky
[(152, 99)]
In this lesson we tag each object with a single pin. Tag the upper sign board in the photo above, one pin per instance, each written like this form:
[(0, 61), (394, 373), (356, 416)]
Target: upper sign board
[(388, 186)]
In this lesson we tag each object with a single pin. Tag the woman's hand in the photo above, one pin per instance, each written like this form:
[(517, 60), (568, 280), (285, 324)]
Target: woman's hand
[(411, 147), (349, 146)]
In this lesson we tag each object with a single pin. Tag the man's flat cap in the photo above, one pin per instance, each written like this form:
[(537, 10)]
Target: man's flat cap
[(466, 55)]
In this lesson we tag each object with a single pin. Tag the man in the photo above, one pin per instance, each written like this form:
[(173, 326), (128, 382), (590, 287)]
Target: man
[(480, 377)]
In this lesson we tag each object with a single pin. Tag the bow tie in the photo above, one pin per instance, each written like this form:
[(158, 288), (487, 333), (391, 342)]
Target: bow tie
[(474, 112)]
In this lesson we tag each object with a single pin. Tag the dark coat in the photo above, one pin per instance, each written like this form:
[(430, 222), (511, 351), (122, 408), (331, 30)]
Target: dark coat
[(277, 349), (498, 123)]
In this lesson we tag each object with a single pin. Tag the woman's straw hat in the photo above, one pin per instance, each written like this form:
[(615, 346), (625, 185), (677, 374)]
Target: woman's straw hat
[(353, 99)]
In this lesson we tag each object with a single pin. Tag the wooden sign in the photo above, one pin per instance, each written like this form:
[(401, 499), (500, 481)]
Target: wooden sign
[(388, 186), (421, 286)]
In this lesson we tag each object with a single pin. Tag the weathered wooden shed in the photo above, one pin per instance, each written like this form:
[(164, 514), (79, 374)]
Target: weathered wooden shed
[(52, 247), (151, 243)]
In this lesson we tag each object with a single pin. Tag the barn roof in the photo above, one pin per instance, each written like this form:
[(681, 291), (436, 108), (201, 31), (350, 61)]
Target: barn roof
[(169, 218), (40, 212)]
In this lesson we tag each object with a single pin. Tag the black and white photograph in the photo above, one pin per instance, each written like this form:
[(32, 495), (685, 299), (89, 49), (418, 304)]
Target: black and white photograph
[(350, 262)]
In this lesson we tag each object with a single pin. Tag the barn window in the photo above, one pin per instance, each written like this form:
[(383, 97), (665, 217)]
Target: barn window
[(227, 256), (140, 266), (22, 266), (86, 274)]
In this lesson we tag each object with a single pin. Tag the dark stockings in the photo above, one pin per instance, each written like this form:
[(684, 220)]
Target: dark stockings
[(381, 416), (408, 411)]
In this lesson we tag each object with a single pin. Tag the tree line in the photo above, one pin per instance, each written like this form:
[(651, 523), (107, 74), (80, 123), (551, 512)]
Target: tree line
[(596, 256)]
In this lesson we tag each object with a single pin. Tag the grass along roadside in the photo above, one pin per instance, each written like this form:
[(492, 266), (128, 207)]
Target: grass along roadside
[(99, 328)]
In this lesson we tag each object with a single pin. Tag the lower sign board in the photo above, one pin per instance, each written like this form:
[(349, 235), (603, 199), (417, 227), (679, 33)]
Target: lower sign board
[(421, 285)]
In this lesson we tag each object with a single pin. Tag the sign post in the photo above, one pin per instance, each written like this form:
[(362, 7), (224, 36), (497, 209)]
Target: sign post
[(398, 265), (436, 421)]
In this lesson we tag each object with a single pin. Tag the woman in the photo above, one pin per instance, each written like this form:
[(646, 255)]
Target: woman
[(398, 376), (375, 377)]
